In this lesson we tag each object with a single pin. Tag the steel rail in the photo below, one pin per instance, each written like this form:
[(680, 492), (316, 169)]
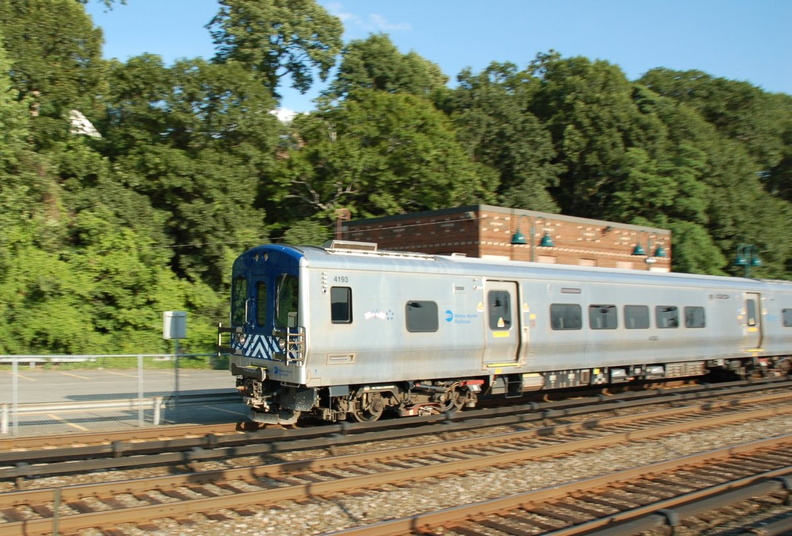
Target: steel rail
[(454, 516), (777, 528), (130, 442), (193, 450), (290, 492), (670, 512)]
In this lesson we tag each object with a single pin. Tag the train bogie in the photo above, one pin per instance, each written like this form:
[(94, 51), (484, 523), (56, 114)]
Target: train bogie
[(341, 332)]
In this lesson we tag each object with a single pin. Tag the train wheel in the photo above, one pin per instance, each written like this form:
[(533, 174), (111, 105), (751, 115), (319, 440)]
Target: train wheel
[(367, 407)]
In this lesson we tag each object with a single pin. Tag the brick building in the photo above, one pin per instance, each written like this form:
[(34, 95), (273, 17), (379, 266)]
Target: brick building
[(503, 233)]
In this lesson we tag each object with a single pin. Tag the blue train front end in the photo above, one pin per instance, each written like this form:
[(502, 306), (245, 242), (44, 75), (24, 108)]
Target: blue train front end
[(265, 342)]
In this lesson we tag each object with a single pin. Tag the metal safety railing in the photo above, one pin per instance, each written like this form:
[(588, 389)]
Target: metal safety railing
[(42, 393)]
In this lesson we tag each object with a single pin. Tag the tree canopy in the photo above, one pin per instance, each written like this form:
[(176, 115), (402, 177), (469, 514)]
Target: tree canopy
[(187, 165), (277, 38)]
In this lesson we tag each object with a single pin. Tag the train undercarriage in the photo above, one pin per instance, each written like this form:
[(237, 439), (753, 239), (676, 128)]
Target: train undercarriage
[(274, 402)]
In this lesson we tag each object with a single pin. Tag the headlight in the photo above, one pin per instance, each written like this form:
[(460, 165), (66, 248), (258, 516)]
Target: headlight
[(282, 345)]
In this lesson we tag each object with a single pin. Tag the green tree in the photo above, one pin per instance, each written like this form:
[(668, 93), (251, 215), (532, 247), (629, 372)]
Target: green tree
[(17, 200), (57, 61), (376, 154), (588, 108), (375, 63), (194, 138), (276, 38), (694, 250), (490, 113), (738, 110)]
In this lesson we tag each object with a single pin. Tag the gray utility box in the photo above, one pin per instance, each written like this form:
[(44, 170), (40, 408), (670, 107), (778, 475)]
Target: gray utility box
[(174, 325)]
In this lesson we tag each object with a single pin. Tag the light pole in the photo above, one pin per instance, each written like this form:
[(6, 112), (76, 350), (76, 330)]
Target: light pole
[(639, 250), (747, 256), (519, 239)]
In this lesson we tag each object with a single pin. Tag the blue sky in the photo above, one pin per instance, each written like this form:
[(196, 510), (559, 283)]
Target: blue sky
[(746, 40)]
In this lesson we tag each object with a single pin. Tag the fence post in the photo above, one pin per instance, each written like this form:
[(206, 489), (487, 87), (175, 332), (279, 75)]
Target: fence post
[(15, 395), (176, 381), (157, 410), (141, 413)]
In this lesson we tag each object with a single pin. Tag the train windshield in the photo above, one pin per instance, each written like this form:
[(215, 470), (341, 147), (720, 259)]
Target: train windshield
[(286, 302), (239, 301)]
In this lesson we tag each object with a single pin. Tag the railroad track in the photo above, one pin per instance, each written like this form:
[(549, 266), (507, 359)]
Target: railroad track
[(191, 445), (174, 501), (676, 395), (655, 497)]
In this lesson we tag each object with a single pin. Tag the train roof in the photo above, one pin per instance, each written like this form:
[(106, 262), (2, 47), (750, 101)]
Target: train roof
[(366, 256)]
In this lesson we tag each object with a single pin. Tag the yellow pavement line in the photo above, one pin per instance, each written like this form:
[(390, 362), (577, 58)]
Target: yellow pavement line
[(26, 378), (76, 375), (121, 374), (64, 421), (227, 411)]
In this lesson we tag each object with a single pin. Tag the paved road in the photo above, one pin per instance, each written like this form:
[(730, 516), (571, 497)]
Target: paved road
[(39, 386)]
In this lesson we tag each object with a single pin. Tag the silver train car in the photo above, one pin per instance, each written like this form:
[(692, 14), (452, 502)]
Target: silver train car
[(347, 331)]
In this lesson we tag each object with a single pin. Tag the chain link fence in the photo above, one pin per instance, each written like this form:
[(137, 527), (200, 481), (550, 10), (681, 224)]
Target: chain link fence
[(56, 394)]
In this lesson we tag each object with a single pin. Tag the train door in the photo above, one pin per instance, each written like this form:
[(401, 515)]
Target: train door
[(753, 332), (503, 324), (250, 313)]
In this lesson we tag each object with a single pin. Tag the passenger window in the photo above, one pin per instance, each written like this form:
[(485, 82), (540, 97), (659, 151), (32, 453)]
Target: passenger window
[(667, 316), (286, 300), (603, 317), (421, 316), (787, 317), (500, 318), (750, 307), (566, 316), (261, 303), (341, 305), (695, 317), (636, 317), (238, 301)]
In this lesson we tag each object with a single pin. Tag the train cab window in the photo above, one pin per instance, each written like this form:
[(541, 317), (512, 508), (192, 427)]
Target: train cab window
[(500, 315), (667, 316), (261, 303), (341, 305), (603, 317), (695, 317), (239, 301), (421, 316), (286, 300), (636, 317), (566, 316), (786, 317)]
